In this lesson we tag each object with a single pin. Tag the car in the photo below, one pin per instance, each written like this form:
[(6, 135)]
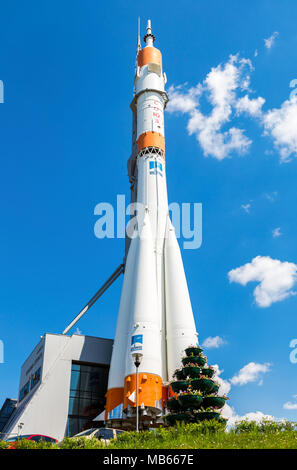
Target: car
[(29, 437), (104, 434)]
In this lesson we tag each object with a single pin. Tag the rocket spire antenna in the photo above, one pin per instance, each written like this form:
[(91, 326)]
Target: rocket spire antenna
[(138, 38), (149, 37)]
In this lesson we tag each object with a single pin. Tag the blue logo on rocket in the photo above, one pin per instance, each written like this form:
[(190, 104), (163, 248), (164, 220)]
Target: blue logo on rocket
[(156, 168), (136, 343)]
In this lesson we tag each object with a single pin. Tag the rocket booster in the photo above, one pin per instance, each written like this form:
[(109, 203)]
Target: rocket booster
[(155, 314)]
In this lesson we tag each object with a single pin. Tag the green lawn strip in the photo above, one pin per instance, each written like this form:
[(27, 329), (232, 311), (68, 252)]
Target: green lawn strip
[(203, 435)]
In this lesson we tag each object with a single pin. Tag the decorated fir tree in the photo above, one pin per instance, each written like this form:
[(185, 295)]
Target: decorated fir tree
[(195, 391)]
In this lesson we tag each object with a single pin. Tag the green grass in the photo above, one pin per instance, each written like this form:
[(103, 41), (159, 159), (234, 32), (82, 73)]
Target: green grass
[(285, 440), (211, 435), (203, 435)]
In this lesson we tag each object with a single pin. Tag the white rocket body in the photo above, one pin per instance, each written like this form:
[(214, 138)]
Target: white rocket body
[(155, 316)]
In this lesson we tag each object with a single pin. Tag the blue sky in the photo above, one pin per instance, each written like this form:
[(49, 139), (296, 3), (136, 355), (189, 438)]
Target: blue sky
[(65, 127)]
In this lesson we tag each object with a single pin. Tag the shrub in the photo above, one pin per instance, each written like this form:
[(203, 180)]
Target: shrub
[(29, 444), (267, 426), (198, 383), (207, 427), (46, 445), (24, 444), (264, 426), (3, 445), (81, 443)]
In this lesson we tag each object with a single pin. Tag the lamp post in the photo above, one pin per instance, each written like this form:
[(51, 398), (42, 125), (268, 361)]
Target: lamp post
[(137, 356), (20, 425)]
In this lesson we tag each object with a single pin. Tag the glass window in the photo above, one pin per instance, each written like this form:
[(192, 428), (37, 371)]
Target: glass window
[(73, 406), (24, 391), (36, 438), (15, 438), (105, 433), (31, 384), (88, 386), (74, 384), (86, 394), (88, 432), (11, 439), (6, 411), (72, 426), (84, 407), (35, 378), (49, 439)]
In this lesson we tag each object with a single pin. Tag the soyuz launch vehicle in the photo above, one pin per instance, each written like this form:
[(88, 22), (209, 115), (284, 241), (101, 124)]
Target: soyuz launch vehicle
[(155, 315)]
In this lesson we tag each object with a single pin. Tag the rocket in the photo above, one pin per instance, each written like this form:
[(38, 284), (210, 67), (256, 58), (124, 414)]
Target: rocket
[(155, 315)]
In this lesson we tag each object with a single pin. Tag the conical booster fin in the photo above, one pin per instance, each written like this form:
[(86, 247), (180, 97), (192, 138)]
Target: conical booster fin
[(180, 324)]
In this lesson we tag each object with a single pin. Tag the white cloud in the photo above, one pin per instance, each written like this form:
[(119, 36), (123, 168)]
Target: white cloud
[(276, 232), (226, 89), (246, 207), (281, 125), (183, 102), (250, 373), (213, 342), (271, 40), (225, 385), (219, 88), (252, 107), (276, 279), (229, 413), (290, 406)]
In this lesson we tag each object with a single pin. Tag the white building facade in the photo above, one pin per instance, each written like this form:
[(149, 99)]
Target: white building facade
[(62, 386)]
